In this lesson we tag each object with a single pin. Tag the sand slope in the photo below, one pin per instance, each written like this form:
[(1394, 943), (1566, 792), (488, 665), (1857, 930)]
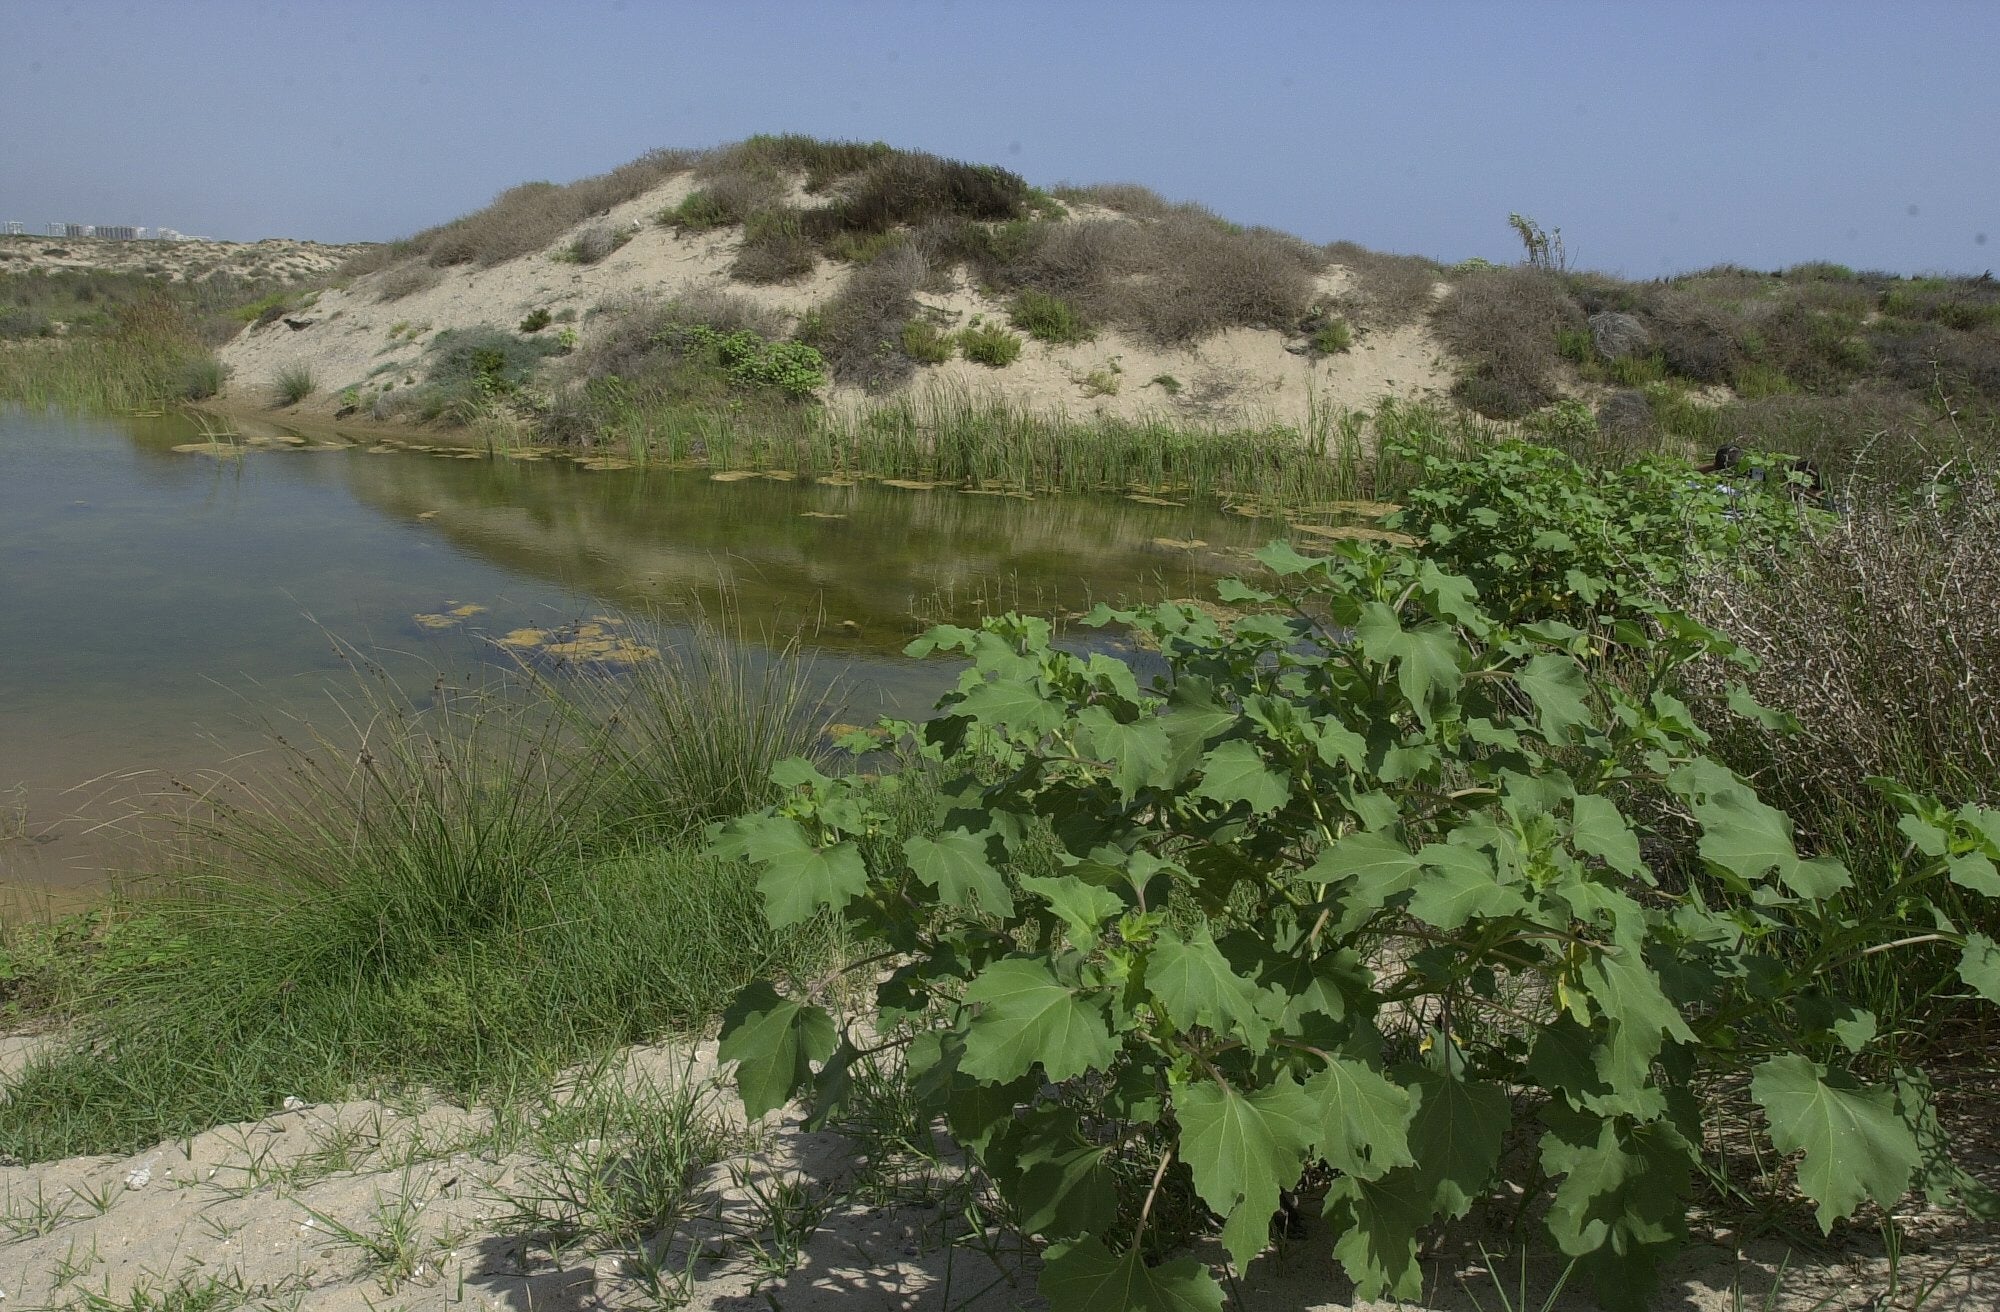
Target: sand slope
[(354, 338)]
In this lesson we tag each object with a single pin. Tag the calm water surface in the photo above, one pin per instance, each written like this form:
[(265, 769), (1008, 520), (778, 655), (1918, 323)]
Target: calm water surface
[(159, 607)]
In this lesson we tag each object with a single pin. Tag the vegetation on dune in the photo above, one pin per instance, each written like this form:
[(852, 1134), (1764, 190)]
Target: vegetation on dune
[(466, 896), (1394, 882)]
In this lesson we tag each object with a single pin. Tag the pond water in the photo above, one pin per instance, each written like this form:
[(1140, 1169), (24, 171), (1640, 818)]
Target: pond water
[(162, 599)]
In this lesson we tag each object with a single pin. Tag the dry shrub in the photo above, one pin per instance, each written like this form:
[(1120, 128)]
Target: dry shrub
[(632, 337), (775, 249), (907, 188), (1172, 280), (1390, 290), (859, 328), (1128, 198), (406, 280), (530, 217), (1503, 324), (597, 241), (1882, 637), (1697, 338)]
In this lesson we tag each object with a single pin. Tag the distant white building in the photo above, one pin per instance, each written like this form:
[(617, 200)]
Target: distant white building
[(16, 229)]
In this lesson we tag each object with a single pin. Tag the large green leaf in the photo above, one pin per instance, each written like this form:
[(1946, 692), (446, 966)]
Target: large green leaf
[(1235, 772), (1196, 985), (1556, 686), (1426, 658), (1628, 993), (1623, 1196), (773, 1042), (1459, 883), (1854, 1144), (956, 865), (1139, 752), (1027, 1016), (798, 878), (1085, 1277), (1242, 1149), (1081, 905), (1377, 1223), (1363, 1118), (1748, 838), (1600, 830), (1979, 966), (1380, 866), (1455, 1135)]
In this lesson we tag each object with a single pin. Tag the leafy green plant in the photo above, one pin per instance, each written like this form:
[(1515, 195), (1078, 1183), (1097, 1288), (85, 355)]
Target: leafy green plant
[(793, 368), (536, 320), (1544, 537), (1333, 338), (1360, 881), (924, 342), (989, 344), (1048, 318)]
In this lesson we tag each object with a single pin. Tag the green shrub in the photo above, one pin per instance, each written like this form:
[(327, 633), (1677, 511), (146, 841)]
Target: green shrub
[(990, 345), (536, 321), (1369, 879), (1166, 383), (793, 368), (1333, 338), (699, 211), (925, 343), (1048, 318), (293, 384), (863, 247), (1636, 370)]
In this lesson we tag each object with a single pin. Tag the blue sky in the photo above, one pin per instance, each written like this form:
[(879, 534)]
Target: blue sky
[(1658, 136)]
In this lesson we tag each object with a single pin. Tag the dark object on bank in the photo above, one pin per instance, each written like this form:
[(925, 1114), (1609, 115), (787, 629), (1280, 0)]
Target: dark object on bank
[(296, 324), (345, 411), (1727, 457)]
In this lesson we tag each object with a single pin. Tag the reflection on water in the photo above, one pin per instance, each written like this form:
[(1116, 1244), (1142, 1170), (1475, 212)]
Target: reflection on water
[(157, 604)]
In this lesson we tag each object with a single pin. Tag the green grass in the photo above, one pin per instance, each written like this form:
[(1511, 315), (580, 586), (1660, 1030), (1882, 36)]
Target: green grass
[(103, 374), (1333, 338), (1048, 318), (294, 383), (466, 897), (990, 345), (925, 343)]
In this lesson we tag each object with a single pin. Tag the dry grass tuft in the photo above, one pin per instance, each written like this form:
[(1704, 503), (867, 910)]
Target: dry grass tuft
[(1391, 290), (859, 329), (1504, 323)]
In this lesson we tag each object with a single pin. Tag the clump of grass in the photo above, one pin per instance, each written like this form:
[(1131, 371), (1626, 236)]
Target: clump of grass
[(1166, 383), (924, 342), (534, 322), (1333, 338), (465, 896), (202, 377), (989, 344), (293, 384), (1048, 318)]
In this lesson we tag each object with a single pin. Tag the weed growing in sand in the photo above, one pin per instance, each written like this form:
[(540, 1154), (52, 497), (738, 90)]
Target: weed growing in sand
[(1333, 338), (293, 384), (536, 320), (390, 1239), (619, 1156), (990, 345), (1048, 318), (925, 343)]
